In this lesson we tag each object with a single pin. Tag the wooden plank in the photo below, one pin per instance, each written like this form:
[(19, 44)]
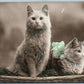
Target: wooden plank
[(18, 79)]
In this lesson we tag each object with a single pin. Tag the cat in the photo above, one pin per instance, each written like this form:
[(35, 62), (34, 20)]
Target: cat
[(33, 54), (74, 58)]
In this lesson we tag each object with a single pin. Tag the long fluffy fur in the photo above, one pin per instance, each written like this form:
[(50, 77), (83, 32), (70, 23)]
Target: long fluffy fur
[(33, 53)]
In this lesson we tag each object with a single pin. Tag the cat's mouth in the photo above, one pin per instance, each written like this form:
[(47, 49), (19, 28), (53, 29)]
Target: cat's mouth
[(37, 27)]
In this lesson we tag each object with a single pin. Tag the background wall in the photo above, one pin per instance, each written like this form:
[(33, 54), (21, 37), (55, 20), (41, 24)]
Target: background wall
[(67, 20)]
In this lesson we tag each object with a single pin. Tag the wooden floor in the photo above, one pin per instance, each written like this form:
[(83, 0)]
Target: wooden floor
[(18, 79)]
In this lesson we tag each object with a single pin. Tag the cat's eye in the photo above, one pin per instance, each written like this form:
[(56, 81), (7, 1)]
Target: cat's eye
[(41, 18), (79, 51), (33, 18)]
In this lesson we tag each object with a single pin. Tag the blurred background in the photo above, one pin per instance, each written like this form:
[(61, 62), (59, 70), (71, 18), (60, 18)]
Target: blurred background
[(67, 20)]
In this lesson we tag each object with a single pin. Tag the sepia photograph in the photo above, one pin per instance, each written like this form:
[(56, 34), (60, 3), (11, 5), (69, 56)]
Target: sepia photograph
[(42, 42)]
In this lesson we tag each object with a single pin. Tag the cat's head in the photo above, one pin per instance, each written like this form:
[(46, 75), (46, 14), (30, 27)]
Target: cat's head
[(38, 19), (75, 50)]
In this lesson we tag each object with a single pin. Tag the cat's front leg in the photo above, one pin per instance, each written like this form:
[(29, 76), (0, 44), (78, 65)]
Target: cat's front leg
[(39, 69), (31, 66), (41, 66), (83, 71), (20, 71)]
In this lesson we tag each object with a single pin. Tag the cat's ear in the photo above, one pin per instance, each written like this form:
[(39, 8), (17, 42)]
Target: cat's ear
[(73, 43), (29, 10), (45, 9)]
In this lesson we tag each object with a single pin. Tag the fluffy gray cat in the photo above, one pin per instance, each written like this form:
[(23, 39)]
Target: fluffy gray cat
[(33, 54), (74, 60)]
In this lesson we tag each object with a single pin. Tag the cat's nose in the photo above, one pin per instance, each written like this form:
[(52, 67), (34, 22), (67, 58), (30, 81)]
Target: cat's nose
[(37, 23)]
